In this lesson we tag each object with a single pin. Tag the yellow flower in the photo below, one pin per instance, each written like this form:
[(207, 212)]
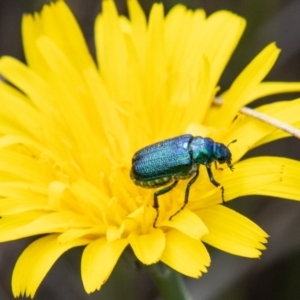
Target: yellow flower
[(69, 129)]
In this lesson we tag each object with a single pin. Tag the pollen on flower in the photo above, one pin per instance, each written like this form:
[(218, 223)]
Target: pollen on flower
[(65, 161)]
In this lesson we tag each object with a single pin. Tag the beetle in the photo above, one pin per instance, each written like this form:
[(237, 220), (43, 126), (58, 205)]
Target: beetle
[(177, 158)]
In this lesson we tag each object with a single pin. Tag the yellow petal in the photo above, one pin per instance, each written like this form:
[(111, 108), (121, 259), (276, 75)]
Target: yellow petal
[(10, 225), (98, 261), (286, 111), (31, 30), (12, 206), (270, 176), (148, 247), (248, 177), (139, 25), (155, 65), (28, 81), (271, 88), (258, 131), (74, 233), (50, 222), (58, 23), (62, 28), (288, 185), (250, 77), (188, 223), (35, 262), (185, 255), (58, 61), (13, 122), (218, 45), (25, 167), (20, 198), (111, 49), (232, 232)]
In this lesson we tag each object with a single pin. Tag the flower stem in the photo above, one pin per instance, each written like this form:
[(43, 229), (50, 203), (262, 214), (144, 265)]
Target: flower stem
[(169, 283), (265, 118)]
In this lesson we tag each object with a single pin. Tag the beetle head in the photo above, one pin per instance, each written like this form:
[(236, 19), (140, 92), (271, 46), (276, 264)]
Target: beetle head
[(222, 154)]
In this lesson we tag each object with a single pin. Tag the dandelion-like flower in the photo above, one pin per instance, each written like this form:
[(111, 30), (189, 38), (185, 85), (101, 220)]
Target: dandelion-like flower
[(69, 129)]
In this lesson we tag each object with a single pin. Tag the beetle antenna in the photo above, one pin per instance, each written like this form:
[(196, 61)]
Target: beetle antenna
[(231, 142)]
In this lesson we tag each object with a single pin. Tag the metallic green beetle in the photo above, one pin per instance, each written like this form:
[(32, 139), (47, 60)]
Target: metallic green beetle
[(177, 158)]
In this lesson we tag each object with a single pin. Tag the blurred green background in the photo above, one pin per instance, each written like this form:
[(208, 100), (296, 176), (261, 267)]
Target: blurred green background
[(277, 274)]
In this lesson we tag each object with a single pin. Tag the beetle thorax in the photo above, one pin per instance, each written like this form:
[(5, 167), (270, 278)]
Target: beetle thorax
[(202, 150)]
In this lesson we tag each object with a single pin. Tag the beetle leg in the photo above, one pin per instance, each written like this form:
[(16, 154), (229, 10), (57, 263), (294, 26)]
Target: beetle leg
[(158, 193), (214, 182), (187, 192), (217, 167)]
